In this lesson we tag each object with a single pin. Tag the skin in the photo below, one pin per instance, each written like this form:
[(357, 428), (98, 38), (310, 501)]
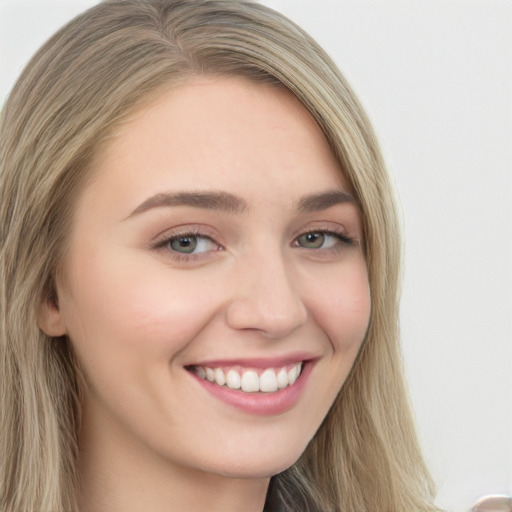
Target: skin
[(139, 312)]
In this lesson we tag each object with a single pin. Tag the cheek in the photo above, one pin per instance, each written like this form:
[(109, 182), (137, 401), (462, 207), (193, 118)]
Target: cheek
[(121, 309), (342, 306)]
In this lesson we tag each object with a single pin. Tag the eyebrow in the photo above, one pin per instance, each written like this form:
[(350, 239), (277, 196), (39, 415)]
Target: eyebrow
[(230, 203), (222, 201), (324, 200)]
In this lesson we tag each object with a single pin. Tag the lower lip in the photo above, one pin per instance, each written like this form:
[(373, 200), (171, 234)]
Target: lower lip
[(261, 404)]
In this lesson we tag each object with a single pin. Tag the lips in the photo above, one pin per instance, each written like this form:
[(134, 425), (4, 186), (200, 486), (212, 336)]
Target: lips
[(250, 380), (263, 387)]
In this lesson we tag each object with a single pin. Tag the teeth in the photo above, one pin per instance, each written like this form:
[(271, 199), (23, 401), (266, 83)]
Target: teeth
[(292, 374), (250, 382), (282, 378), (220, 379), (269, 381), (233, 379)]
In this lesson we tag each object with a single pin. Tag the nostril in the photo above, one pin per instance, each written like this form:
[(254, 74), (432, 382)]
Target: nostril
[(271, 319)]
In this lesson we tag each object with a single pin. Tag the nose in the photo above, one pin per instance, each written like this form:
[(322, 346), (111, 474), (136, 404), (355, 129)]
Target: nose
[(265, 299)]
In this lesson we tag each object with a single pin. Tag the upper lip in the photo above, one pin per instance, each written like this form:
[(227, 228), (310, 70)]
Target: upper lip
[(258, 362)]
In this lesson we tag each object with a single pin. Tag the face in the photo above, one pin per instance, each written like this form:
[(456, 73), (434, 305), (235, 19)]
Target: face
[(215, 288)]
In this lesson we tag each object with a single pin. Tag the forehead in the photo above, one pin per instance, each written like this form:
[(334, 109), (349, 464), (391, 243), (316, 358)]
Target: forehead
[(218, 132)]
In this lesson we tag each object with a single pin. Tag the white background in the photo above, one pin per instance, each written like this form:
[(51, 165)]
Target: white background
[(436, 79)]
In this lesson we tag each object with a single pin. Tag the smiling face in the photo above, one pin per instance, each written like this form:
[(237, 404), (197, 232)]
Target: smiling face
[(215, 247)]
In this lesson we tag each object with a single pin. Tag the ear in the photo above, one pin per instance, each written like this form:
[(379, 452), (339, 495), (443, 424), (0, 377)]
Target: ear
[(50, 319)]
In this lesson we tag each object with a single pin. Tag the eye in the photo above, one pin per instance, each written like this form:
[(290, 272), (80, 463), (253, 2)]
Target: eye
[(322, 240), (186, 245), (191, 244)]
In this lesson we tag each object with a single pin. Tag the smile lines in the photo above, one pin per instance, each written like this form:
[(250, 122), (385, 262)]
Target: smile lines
[(269, 380)]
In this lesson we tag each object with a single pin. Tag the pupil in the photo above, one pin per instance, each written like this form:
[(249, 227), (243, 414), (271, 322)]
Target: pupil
[(313, 240), (185, 244)]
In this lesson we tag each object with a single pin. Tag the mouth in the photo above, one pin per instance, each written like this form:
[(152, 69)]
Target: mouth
[(262, 387), (250, 380)]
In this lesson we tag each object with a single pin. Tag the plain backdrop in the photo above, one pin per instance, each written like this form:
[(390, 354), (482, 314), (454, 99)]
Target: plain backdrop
[(436, 79)]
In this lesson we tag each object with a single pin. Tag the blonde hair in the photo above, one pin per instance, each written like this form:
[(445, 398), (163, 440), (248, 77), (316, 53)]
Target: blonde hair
[(84, 81)]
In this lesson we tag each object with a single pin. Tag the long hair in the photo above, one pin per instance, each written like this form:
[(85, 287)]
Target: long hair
[(83, 82)]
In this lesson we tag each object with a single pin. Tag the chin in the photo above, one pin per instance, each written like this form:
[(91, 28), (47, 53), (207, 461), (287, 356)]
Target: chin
[(264, 464)]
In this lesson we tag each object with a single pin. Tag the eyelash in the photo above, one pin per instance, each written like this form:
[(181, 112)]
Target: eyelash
[(343, 238), (164, 243)]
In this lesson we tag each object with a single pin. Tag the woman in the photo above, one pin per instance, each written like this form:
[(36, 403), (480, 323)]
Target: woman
[(200, 263)]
